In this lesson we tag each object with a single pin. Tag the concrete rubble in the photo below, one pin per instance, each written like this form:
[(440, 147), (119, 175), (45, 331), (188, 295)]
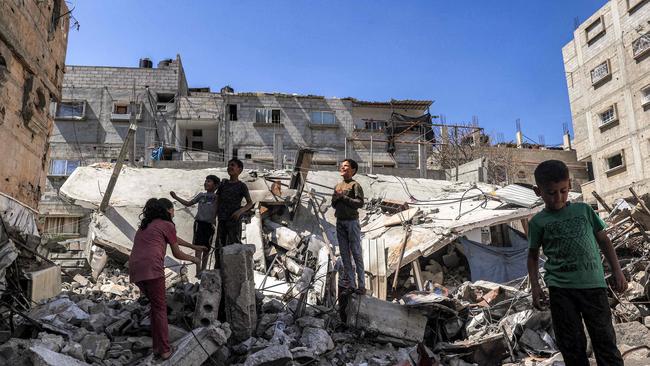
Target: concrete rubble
[(275, 302)]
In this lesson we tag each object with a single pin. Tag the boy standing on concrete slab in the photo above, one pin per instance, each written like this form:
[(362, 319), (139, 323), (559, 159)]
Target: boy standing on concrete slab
[(572, 236), (230, 194), (347, 200), (205, 218)]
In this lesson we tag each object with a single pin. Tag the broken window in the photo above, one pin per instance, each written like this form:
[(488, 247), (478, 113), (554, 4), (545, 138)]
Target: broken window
[(197, 133), (165, 98), (600, 72), (61, 225), (248, 156), (374, 125), (323, 118), (122, 111), (71, 110), (275, 116), (590, 171), (197, 145), (615, 161), (63, 168), (232, 112), (641, 45), (121, 108)]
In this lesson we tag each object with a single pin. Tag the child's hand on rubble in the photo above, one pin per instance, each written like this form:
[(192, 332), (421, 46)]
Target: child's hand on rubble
[(620, 283), (540, 301)]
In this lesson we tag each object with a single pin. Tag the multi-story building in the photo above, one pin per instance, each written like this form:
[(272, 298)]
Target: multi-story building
[(183, 127), (607, 68), (92, 121), (33, 41)]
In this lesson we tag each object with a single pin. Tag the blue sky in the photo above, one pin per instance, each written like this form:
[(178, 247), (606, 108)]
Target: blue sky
[(498, 60)]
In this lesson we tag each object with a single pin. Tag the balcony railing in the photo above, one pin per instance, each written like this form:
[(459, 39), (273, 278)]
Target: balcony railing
[(641, 46)]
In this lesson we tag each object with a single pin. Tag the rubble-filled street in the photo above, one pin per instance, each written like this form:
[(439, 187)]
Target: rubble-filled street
[(455, 301)]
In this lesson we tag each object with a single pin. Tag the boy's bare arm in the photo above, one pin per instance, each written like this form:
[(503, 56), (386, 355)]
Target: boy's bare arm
[(249, 204), (182, 201), (620, 283), (539, 297)]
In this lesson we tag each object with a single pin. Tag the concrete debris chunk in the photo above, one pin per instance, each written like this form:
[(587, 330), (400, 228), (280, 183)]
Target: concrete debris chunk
[(74, 349), (95, 346), (271, 356), (196, 347), (316, 339), (386, 318), (209, 297), (44, 357), (310, 321)]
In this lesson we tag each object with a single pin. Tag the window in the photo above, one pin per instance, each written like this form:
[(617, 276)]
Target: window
[(645, 96), (608, 116), (641, 46), (248, 156), (197, 133), (232, 112), (595, 30), (122, 111), (600, 72), (71, 110), (323, 118), (62, 225), (165, 98), (374, 125), (632, 5), (63, 168), (615, 161), (263, 115), (590, 171)]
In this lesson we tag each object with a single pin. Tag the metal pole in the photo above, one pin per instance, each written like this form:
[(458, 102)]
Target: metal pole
[(345, 148), (120, 161)]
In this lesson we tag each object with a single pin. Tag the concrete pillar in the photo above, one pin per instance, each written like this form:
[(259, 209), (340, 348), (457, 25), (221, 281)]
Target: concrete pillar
[(566, 141), (209, 297), (278, 149), (520, 139), (239, 289), (422, 159)]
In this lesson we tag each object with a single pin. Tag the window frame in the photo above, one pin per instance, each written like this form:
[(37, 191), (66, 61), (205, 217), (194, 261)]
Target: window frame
[(264, 116), (645, 96), (57, 222), (645, 38), (125, 116), (635, 4), (66, 171), (612, 120), (600, 80), (600, 21), (609, 169), (71, 117), (322, 113)]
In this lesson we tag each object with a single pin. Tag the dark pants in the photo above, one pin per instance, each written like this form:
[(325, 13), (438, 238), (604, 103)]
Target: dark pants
[(228, 232), (154, 290), (348, 233), (203, 233), (569, 307)]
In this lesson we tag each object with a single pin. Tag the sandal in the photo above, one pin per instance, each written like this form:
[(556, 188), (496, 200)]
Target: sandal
[(172, 349)]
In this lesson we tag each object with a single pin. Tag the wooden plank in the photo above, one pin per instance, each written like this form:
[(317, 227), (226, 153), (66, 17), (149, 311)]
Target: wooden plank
[(417, 273)]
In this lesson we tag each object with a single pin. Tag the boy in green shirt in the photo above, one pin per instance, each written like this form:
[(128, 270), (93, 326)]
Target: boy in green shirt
[(571, 235)]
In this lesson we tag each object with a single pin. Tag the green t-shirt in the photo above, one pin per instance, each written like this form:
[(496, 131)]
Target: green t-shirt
[(568, 240)]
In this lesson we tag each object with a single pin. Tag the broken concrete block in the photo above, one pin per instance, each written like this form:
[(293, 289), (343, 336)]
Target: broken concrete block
[(632, 334), (175, 333), (254, 236), (114, 289), (208, 299), (15, 352), (271, 305), (239, 289), (44, 283), (44, 357), (63, 307), (270, 356), (310, 321), (83, 281), (386, 318), (195, 347), (95, 346), (304, 355), (50, 341), (282, 235), (74, 349), (317, 339)]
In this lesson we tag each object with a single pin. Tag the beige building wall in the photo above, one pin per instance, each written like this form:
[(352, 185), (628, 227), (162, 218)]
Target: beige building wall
[(33, 41), (607, 67)]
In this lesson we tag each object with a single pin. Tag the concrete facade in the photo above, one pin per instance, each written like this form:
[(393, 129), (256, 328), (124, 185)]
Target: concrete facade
[(608, 79), (33, 41), (91, 123)]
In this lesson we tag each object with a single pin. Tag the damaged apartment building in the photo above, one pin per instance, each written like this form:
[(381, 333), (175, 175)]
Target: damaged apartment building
[(608, 79), (182, 127)]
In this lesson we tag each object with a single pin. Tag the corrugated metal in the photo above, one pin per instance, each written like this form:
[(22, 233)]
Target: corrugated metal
[(518, 195)]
